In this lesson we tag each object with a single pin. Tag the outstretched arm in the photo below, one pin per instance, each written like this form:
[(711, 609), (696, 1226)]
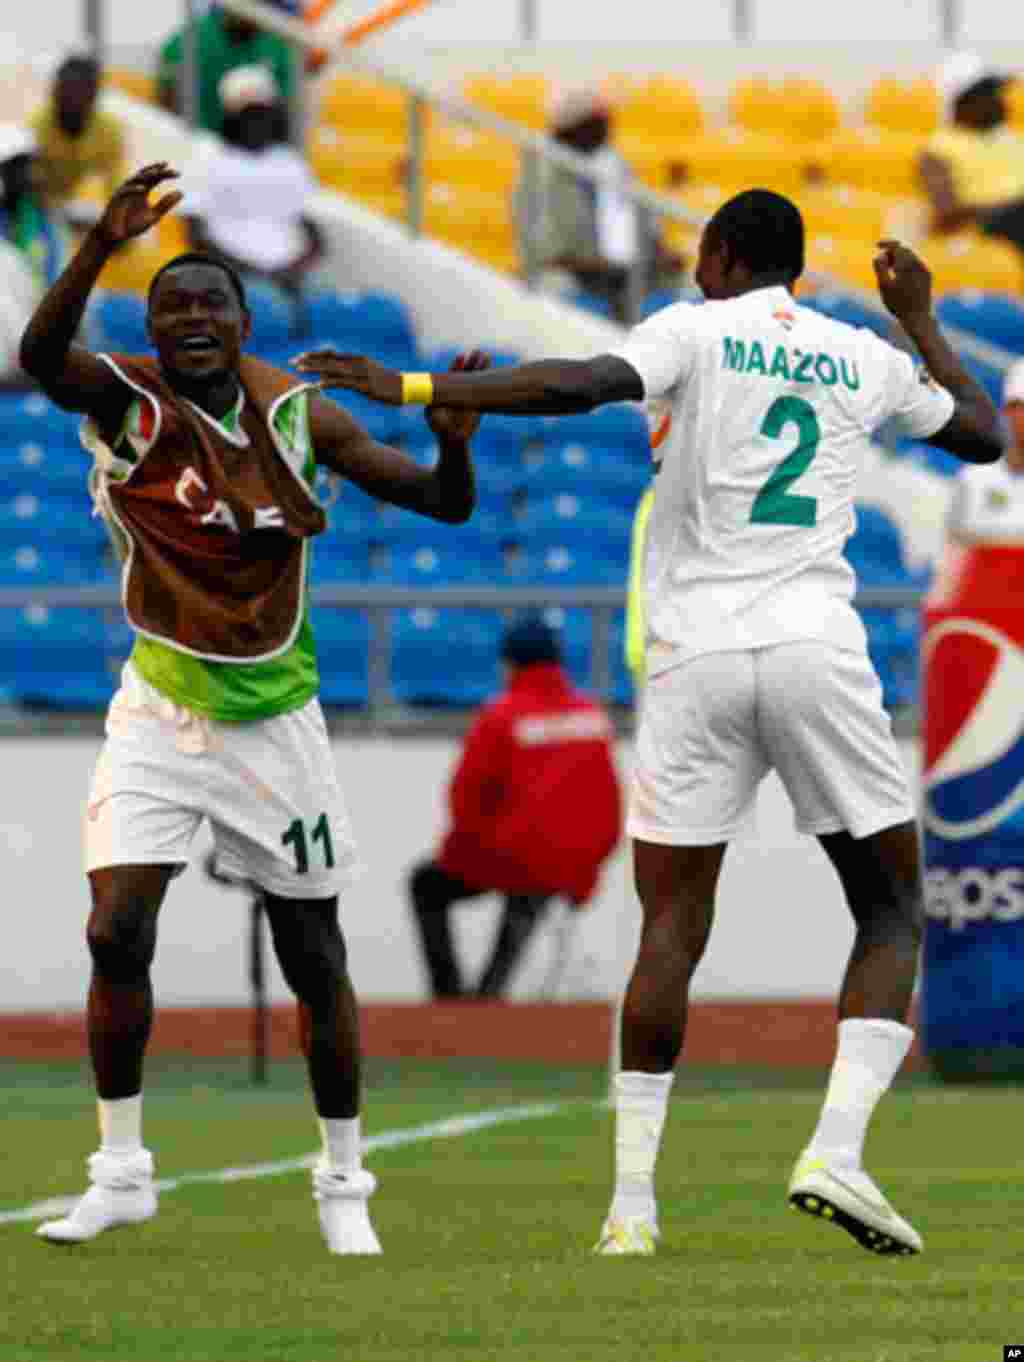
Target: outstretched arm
[(69, 374), (445, 492), (550, 387), (905, 285)]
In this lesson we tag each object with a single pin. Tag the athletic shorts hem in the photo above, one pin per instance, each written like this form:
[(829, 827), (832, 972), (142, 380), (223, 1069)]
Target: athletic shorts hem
[(681, 837), (289, 886), (866, 827), (116, 860)]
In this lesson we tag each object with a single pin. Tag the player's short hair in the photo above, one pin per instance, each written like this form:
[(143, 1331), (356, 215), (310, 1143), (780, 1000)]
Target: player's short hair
[(198, 258), (763, 230), (80, 64)]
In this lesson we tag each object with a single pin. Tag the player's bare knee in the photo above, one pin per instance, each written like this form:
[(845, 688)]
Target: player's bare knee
[(121, 936)]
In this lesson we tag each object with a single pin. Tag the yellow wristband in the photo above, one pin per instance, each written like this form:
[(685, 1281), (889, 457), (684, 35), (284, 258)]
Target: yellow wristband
[(418, 389)]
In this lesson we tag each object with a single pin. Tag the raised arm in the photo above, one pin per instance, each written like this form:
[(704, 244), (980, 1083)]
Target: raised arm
[(905, 285), (445, 492), (549, 387), (72, 376)]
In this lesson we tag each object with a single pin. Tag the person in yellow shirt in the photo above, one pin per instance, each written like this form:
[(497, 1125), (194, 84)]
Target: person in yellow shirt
[(972, 169), (77, 141)]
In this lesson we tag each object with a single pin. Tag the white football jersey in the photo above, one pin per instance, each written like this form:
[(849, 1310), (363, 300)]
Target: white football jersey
[(988, 504), (772, 407)]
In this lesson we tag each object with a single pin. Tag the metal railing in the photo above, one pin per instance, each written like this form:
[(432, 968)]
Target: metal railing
[(379, 602)]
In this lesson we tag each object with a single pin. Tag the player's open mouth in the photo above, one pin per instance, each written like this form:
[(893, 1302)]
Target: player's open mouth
[(198, 344)]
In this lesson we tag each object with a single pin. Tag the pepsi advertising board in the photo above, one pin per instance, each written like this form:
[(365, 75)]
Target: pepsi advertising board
[(973, 816)]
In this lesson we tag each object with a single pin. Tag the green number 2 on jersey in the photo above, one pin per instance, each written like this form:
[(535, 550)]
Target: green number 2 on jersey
[(775, 504)]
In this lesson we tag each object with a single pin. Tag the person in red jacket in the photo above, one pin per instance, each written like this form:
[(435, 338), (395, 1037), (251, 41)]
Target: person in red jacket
[(535, 811)]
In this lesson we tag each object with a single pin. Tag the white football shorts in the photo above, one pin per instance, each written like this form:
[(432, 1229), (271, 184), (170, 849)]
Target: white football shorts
[(711, 729), (268, 788)]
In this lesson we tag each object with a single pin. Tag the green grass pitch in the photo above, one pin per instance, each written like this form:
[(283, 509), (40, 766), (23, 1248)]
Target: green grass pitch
[(487, 1235)]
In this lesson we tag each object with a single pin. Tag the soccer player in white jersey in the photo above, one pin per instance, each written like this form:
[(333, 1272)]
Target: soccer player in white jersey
[(756, 657)]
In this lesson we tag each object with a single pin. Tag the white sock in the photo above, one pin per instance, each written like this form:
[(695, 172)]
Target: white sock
[(868, 1055), (641, 1103), (120, 1124), (343, 1146)]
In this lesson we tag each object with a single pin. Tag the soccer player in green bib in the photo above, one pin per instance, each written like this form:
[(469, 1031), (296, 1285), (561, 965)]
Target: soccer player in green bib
[(205, 460)]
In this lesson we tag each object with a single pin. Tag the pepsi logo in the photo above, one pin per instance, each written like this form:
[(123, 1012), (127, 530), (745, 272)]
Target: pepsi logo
[(974, 743)]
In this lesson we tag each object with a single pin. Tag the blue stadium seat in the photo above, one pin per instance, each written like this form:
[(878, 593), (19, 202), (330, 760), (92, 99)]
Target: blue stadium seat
[(273, 320), (993, 317), (45, 468), (343, 649), (57, 658), (574, 627), (842, 307), (567, 515), (28, 518), (435, 562), (988, 375), (364, 323), (594, 303), (894, 645), (27, 564), (121, 323), (28, 417), (558, 560), (441, 360), (659, 299), (621, 423), (875, 550), (340, 558), (445, 656), (594, 473), (929, 457), (622, 679)]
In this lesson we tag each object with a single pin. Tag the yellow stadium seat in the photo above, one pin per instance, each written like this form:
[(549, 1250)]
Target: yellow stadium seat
[(354, 163), (661, 110), (969, 260), (845, 259), (1015, 104), (135, 83), (131, 268), (735, 160), (355, 104), (461, 155), (869, 158), (903, 105), (845, 211), (478, 223), (793, 108), (521, 99)]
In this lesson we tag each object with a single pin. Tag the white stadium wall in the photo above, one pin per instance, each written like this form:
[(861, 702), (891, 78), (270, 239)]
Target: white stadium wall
[(782, 930)]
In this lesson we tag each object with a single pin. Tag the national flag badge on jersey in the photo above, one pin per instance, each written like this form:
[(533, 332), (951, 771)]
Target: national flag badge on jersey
[(659, 421), (784, 317)]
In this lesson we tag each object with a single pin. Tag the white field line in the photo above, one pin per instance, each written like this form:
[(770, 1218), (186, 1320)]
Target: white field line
[(448, 1129)]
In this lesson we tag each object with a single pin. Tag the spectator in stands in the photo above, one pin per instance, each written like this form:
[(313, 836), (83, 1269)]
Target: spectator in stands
[(575, 234), (77, 141), (248, 201), (535, 811), (223, 42), (31, 245), (988, 499), (973, 168)]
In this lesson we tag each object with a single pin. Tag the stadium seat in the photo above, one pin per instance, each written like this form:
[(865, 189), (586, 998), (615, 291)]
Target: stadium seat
[(793, 108), (33, 417), (1015, 104), (521, 99), (343, 649), (895, 105), (875, 550), (619, 423), (841, 210), (602, 472), (993, 317), (121, 321), (273, 319), (990, 376), (28, 518), (26, 564), (594, 303), (550, 558), (55, 657), (462, 156), (870, 158), (340, 559), (842, 260), (362, 163), (843, 307), (135, 83), (929, 457), (894, 646), (357, 104), (574, 627), (733, 160), (970, 260), (445, 656), (463, 558), (376, 324), (45, 467), (660, 108)]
